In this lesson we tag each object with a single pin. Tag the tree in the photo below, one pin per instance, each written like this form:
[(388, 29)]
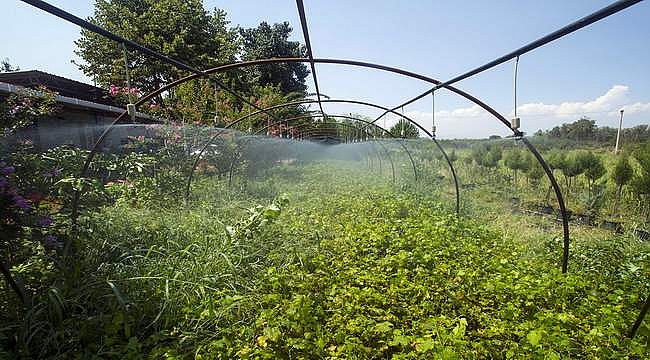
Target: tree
[(487, 156), (535, 172), (572, 167), (555, 160), (405, 129), (181, 29), (266, 41), (621, 175), (641, 181), (516, 161), (452, 156), (593, 169), (5, 66)]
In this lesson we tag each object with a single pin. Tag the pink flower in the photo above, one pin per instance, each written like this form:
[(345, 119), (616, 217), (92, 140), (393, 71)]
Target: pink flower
[(113, 90)]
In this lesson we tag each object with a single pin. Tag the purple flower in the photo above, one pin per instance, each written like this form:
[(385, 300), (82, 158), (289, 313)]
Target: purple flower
[(8, 170), (21, 202), (3, 182), (56, 172), (51, 241), (44, 221)]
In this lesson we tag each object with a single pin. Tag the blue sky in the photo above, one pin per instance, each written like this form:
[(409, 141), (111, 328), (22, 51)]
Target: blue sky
[(593, 72)]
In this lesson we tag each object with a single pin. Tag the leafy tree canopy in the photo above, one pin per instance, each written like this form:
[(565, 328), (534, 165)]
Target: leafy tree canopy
[(181, 29), (623, 171), (5, 66), (269, 41), (405, 129)]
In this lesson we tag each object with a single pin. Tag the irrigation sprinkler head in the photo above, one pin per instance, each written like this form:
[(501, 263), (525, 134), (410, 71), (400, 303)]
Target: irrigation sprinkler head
[(130, 108), (515, 124)]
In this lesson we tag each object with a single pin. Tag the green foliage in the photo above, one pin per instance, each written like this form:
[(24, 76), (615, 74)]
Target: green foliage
[(351, 267), (623, 171), (488, 156), (5, 66), (270, 41), (180, 29), (556, 159), (535, 172), (593, 167), (405, 129), (585, 131), (25, 107), (515, 160), (641, 181)]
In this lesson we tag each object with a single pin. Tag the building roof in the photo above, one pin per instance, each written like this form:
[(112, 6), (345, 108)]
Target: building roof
[(63, 86)]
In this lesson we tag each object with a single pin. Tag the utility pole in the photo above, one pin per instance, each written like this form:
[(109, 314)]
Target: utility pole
[(618, 134)]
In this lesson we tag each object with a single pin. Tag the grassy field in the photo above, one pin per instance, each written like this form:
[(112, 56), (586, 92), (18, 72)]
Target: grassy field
[(331, 260)]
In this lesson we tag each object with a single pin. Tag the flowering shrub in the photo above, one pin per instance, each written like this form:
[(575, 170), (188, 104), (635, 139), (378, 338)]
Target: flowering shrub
[(123, 95), (24, 107)]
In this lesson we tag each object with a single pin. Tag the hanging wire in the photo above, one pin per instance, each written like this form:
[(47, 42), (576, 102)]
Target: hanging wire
[(515, 122), (433, 114), (216, 105), (402, 123), (129, 107), (515, 83)]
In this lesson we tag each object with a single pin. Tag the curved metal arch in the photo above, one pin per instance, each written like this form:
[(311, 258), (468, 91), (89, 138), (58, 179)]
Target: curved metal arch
[(406, 150), (497, 115), (314, 131), (390, 159), (241, 119), (384, 130)]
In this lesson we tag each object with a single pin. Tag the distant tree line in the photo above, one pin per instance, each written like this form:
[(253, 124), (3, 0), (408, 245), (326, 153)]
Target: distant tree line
[(585, 130)]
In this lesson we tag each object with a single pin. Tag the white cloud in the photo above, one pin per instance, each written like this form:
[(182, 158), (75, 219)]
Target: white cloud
[(473, 121), (612, 100), (637, 108)]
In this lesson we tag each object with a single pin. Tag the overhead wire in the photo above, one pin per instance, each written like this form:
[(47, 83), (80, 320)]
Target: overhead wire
[(566, 30), (310, 54), (60, 13)]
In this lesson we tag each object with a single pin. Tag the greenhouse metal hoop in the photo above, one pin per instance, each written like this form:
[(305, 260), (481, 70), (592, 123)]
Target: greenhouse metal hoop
[(222, 131), (581, 23), (356, 102), (406, 150), (314, 131), (236, 65)]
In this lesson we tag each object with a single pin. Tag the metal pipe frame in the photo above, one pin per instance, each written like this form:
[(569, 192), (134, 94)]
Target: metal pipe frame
[(241, 119), (310, 54), (568, 29), (384, 130), (237, 65), (349, 126)]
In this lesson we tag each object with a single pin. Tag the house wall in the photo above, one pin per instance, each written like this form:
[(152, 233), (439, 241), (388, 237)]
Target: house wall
[(80, 128)]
